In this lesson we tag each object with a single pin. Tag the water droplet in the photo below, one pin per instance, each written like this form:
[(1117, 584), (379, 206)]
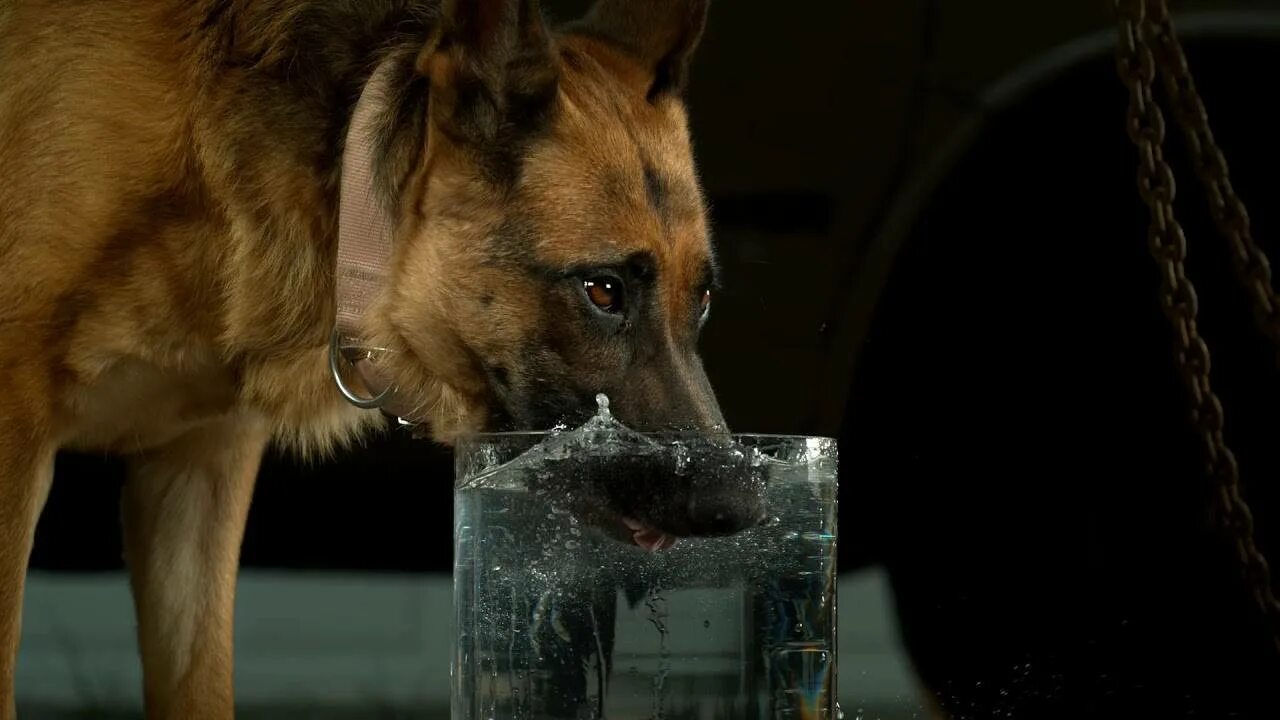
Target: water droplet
[(706, 624)]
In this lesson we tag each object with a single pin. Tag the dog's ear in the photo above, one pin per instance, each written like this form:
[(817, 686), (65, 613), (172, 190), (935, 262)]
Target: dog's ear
[(661, 34), (492, 70)]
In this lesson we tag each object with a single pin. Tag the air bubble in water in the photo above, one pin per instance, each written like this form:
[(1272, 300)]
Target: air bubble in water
[(658, 615)]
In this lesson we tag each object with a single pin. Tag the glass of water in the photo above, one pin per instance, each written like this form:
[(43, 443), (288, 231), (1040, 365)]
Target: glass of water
[(573, 600)]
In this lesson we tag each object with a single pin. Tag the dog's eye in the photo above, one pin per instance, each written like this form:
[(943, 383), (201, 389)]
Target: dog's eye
[(706, 301), (605, 293)]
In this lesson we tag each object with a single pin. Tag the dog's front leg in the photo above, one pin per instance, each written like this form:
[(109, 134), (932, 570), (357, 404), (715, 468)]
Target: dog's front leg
[(26, 470), (184, 509)]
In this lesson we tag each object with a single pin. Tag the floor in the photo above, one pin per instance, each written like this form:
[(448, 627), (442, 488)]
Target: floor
[(328, 646)]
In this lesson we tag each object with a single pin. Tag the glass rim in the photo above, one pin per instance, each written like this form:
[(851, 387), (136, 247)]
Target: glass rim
[(657, 434)]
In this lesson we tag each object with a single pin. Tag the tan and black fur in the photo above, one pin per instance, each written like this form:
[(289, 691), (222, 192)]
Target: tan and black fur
[(168, 206)]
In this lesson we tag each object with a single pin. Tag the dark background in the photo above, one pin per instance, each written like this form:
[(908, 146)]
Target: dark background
[(935, 251)]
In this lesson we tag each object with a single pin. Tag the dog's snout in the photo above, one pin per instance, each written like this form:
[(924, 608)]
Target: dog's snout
[(696, 486), (724, 513), (727, 493)]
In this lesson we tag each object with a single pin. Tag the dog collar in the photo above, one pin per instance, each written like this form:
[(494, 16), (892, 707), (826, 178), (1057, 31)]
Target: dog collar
[(365, 231)]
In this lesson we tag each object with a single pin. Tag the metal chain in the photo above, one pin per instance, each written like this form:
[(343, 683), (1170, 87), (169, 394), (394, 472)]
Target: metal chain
[(1229, 213), (1136, 66)]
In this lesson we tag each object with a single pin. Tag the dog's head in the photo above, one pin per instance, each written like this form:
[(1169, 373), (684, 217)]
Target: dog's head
[(555, 247), (554, 243)]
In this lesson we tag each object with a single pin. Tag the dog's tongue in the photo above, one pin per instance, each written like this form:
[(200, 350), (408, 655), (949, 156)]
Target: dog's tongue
[(647, 538)]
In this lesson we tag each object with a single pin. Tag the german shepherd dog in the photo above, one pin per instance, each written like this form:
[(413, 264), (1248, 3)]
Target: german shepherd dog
[(168, 229)]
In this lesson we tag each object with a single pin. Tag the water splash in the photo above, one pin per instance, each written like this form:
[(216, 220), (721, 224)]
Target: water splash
[(602, 433), (527, 581)]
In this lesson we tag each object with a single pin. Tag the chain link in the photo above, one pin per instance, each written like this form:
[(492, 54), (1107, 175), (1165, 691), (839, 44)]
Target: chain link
[(1229, 213), (1136, 65)]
